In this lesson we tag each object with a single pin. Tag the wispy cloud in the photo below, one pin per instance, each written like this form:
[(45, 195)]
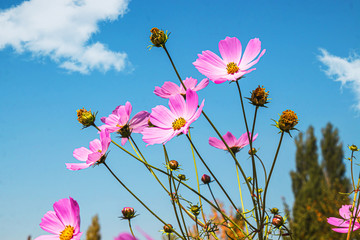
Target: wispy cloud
[(61, 29), (344, 70)]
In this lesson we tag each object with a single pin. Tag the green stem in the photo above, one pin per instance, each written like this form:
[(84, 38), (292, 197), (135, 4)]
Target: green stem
[(268, 180), (132, 233), (141, 202)]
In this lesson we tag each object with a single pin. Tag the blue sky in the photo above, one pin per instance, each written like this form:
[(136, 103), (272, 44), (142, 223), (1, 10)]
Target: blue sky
[(61, 56)]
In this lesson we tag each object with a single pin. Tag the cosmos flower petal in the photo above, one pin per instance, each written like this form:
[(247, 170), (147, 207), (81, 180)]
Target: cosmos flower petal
[(230, 50), (123, 115), (217, 143), (77, 237), (51, 223), (77, 166), (201, 85), (197, 113), (162, 117), (94, 157), (177, 105), (344, 230), (156, 135), (112, 119), (338, 222), (123, 141), (252, 50), (244, 140), (95, 145), (192, 101), (66, 212), (139, 121), (230, 139), (125, 236), (48, 237), (167, 90), (190, 83), (344, 211), (81, 154), (105, 140)]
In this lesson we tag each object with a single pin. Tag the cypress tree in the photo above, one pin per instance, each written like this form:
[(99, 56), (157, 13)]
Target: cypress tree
[(93, 232), (316, 186)]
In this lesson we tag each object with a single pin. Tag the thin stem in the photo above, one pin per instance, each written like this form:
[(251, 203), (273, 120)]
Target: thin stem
[(241, 198), (142, 203), (197, 178), (262, 165), (172, 63), (271, 171), (132, 233), (351, 226)]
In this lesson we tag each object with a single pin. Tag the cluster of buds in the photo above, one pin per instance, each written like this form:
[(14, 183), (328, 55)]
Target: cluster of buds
[(158, 37), (86, 118), (287, 121), (128, 213), (259, 97)]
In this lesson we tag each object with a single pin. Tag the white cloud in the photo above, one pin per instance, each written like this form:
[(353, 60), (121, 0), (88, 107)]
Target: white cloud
[(344, 70), (61, 29)]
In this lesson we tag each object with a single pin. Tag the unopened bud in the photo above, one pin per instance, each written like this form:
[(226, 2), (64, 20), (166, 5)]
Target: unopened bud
[(278, 221), (195, 209), (182, 177), (353, 148), (158, 37), (287, 121), (252, 151), (128, 213), (173, 165), (249, 179), (274, 210), (86, 118), (168, 228), (259, 97), (206, 179)]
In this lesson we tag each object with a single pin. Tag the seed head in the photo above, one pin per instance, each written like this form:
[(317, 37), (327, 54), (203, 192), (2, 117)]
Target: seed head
[(158, 37)]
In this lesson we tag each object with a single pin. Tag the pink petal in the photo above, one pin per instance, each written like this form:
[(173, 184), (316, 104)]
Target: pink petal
[(51, 223), (81, 154), (211, 66), (77, 166), (162, 117), (48, 237), (95, 145), (192, 101), (230, 139), (217, 143), (125, 236), (139, 121), (202, 84), (338, 222), (105, 140), (197, 113), (189, 83), (77, 237), (94, 157), (67, 211), (123, 141), (123, 113), (177, 105), (344, 211), (156, 135), (167, 90), (230, 50), (252, 50), (111, 120), (244, 140)]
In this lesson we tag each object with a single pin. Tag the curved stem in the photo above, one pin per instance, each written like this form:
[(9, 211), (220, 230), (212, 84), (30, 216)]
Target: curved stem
[(241, 198), (132, 233), (142, 203)]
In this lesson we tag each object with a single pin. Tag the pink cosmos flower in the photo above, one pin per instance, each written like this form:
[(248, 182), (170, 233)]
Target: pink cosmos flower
[(234, 144), (63, 222), (119, 122), (343, 223), (125, 236), (177, 120), (170, 89), (232, 66), (97, 151)]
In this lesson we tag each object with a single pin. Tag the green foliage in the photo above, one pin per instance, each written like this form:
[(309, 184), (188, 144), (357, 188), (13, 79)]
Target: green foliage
[(316, 186), (93, 232)]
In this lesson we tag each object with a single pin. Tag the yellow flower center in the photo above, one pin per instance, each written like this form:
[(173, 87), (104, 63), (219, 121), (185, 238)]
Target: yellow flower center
[(178, 123), (67, 233), (232, 68)]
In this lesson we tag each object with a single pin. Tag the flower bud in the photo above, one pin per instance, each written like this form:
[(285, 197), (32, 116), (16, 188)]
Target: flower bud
[(158, 37), (274, 210), (86, 118), (353, 148), (182, 177), (128, 213), (278, 221), (259, 97), (287, 121), (249, 179), (168, 228), (173, 165), (195, 209), (206, 179), (252, 151)]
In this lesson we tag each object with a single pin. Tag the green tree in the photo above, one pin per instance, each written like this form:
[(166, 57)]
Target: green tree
[(316, 186), (93, 232)]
